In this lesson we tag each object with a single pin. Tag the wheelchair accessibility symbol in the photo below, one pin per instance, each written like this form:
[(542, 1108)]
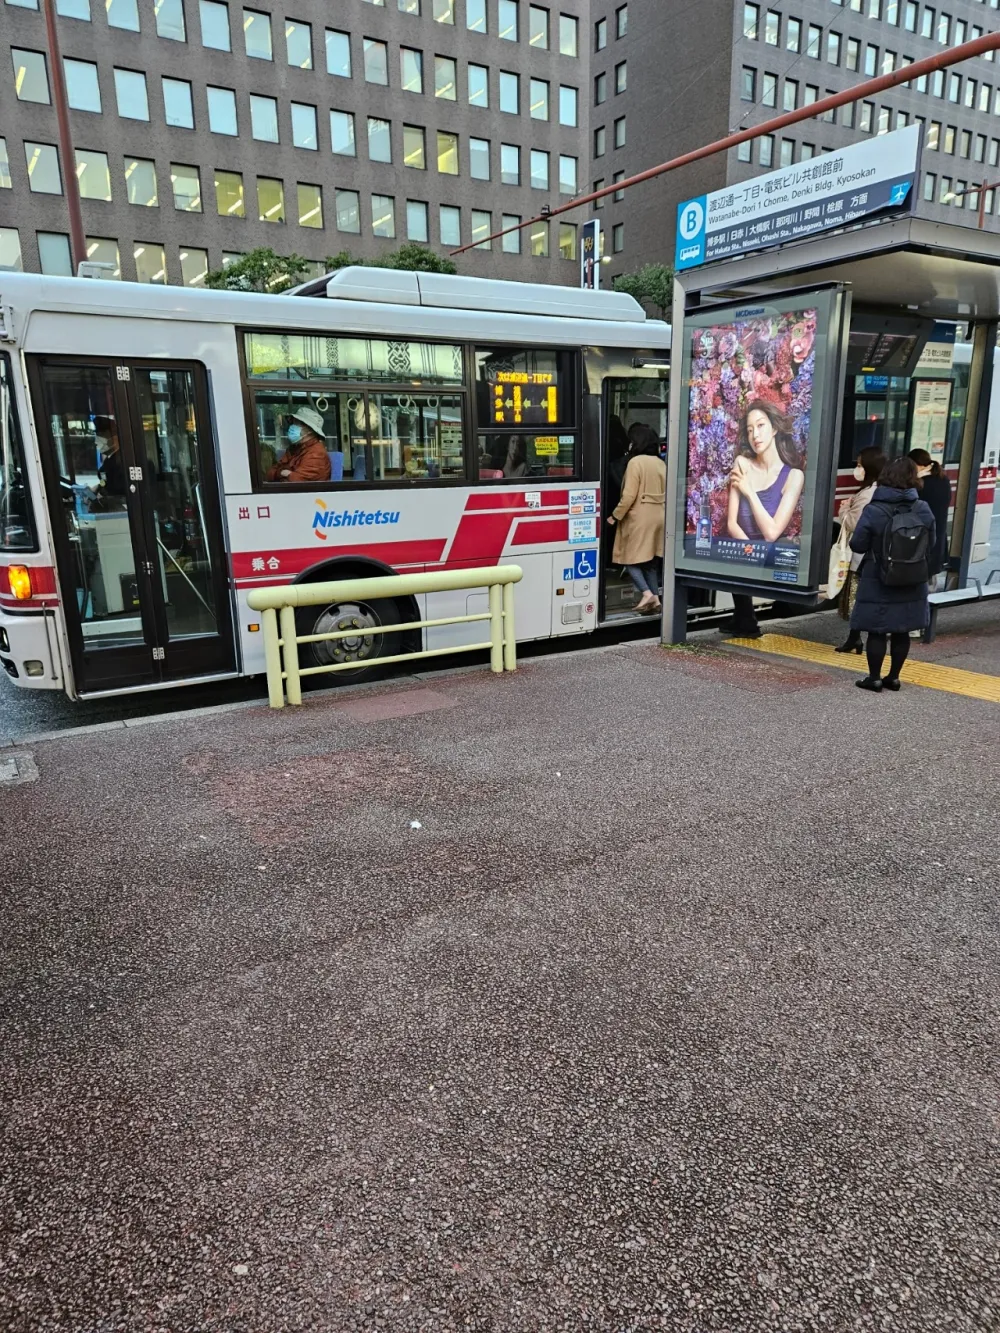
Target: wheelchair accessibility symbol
[(584, 564)]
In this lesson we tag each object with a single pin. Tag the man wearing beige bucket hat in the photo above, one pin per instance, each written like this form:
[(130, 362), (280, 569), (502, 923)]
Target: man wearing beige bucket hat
[(306, 458)]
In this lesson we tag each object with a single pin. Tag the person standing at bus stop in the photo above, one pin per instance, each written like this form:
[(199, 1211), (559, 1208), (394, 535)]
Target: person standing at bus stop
[(892, 599), (935, 488), (306, 458), (639, 516), (867, 470)]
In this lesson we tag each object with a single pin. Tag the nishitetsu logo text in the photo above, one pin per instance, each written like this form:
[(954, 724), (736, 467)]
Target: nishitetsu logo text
[(350, 518)]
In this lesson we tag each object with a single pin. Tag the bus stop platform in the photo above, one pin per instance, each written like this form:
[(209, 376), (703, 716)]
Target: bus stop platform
[(642, 989)]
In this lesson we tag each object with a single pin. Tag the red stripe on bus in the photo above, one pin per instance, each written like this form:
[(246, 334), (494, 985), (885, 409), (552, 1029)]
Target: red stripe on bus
[(297, 560), (539, 532), (480, 537), (551, 499)]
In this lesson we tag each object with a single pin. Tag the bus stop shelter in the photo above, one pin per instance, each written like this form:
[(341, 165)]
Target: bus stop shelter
[(905, 266)]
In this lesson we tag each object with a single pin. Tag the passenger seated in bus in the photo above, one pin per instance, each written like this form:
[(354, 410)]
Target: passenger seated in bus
[(516, 464), (306, 458)]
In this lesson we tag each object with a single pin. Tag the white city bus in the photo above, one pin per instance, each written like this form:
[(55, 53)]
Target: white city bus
[(464, 422)]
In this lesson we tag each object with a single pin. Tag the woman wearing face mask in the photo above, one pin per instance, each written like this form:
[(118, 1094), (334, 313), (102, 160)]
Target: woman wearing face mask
[(306, 458), (935, 489), (867, 471)]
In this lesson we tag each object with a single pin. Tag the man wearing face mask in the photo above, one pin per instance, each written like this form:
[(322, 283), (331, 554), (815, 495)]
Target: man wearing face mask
[(306, 458), (111, 470)]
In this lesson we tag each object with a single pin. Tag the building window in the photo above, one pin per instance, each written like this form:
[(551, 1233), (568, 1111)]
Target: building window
[(751, 22), (568, 105), (600, 34), (123, 14), (298, 44), (507, 20), (884, 120), (510, 98), (787, 153), (790, 95), (954, 87), (215, 25), (748, 85), (621, 21), (766, 150), (910, 15), (416, 221), (342, 133), (444, 12), (568, 171), (538, 240), (510, 243), (450, 225), (852, 58), (600, 141), (539, 169), (888, 62), (82, 89), (769, 90), (833, 48), (194, 267), (479, 159), (618, 195), (985, 94), (793, 35), (937, 86), (949, 139), (186, 185), (338, 53), (600, 88), (934, 134), (772, 28), (979, 154), (847, 115), (970, 93), (482, 226), (103, 250), (305, 133), (538, 99), (5, 181), (264, 118), (54, 254), (140, 182), (10, 250), (270, 200), (257, 34), (930, 186), (379, 140), (510, 164), (447, 153), (867, 115), (93, 175), (42, 161), (445, 78), (621, 77), (411, 70), (943, 24), (618, 238), (744, 150), (31, 77), (376, 61), (478, 78), (222, 111), (414, 147), (170, 20), (620, 132), (348, 211), (569, 35), (150, 263), (811, 94), (994, 152), (475, 15), (871, 60), (229, 201), (813, 40), (130, 94), (538, 27), (965, 143), (944, 188)]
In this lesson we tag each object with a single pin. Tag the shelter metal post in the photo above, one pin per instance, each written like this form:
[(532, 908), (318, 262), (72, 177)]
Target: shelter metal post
[(977, 411), (674, 595)]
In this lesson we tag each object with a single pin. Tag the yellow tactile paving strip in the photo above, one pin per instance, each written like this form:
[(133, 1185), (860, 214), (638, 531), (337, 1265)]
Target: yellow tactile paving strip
[(930, 675)]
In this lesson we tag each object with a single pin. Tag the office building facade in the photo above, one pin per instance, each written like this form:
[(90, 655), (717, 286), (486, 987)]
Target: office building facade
[(203, 129), (687, 75)]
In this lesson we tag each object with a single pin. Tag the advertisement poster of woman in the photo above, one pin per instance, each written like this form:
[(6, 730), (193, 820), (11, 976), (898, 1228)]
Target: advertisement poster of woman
[(750, 411)]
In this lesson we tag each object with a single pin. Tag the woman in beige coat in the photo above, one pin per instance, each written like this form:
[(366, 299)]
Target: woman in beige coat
[(639, 517), (867, 470)]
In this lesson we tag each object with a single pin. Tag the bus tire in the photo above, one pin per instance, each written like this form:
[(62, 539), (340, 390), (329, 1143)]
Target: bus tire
[(365, 650)]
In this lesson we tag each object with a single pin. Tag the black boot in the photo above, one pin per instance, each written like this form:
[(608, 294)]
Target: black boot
[(852, 644)]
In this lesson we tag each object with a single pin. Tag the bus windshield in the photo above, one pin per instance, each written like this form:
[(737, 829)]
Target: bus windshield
[(16, 525)]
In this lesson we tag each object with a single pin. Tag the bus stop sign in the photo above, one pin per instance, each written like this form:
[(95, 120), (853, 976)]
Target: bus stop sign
[(875, 176)]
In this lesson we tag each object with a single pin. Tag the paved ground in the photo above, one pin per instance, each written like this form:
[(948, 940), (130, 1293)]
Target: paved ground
[(678, 1010)]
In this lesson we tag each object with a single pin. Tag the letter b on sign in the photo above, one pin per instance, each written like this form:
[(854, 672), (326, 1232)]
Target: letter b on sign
[(692, 220)]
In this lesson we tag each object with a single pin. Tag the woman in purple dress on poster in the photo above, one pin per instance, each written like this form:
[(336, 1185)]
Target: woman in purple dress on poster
[(765, 485)]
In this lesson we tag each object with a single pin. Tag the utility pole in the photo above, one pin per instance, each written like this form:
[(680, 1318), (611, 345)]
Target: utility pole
[(77, 236)]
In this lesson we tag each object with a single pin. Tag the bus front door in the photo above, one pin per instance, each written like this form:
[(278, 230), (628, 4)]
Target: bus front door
[(130, 475)]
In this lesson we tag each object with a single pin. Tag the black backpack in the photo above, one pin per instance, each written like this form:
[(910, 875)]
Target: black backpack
[(903, 552)]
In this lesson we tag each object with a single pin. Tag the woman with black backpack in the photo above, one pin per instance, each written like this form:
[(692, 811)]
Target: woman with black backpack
[(895, 535)]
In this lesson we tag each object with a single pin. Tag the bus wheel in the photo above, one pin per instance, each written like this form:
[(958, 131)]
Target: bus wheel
[(362, 651)]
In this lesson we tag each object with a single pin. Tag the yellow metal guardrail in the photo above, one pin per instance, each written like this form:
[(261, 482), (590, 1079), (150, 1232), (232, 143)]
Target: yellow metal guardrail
[(281, 641)]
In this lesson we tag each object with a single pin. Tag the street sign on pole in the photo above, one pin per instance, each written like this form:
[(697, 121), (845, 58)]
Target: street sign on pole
[(590, 255), (875, 176)]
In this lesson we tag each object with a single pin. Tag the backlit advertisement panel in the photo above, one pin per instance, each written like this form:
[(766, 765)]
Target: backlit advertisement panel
[(758, 436)]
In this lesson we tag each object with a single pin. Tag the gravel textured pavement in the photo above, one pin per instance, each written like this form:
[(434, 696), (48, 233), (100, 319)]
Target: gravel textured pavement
[(640, 990)]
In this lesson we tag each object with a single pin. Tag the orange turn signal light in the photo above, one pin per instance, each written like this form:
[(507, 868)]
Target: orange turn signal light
[(20, 582)]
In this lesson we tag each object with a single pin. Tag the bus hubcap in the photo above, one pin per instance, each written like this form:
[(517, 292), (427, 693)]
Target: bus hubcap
[(354, 647)]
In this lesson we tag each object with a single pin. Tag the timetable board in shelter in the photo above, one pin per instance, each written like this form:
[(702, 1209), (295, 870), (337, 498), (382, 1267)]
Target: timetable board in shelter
[(524, 398)]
